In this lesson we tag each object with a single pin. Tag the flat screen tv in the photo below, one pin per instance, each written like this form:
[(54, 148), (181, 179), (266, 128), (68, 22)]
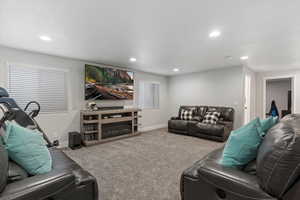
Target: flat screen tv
[(108, 84)]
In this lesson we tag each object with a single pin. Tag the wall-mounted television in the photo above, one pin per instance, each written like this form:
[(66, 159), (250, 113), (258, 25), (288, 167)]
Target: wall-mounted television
[(102, 83)]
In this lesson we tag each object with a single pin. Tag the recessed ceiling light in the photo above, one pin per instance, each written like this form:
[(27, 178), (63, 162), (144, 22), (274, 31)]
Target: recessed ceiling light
[(176, 70), (244, 58), (45, 38), (215, 34), (132, 59)]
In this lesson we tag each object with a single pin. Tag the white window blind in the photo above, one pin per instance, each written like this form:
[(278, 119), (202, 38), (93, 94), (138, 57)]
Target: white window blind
[(46, 86), (149, 95)]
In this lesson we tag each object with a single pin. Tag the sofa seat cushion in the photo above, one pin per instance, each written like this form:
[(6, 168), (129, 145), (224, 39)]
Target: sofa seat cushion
[(16, 172), (61, 161), (178, 124), (208, 129)]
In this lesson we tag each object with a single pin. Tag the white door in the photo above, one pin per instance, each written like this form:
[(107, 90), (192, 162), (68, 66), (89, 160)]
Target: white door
[(247, 90)]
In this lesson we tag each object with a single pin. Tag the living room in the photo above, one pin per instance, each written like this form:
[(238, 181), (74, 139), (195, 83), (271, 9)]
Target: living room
[(196, 75)]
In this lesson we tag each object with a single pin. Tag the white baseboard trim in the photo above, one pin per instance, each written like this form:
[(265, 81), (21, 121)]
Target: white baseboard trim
[(150, 128)]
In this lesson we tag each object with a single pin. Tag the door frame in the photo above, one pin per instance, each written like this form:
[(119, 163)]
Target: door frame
[(247, 98), (265, 79)]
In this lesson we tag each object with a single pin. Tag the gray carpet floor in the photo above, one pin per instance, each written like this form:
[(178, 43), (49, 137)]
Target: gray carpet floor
[(146, 167)]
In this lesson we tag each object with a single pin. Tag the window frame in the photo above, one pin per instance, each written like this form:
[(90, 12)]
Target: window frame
[(139, 91), (41, 67)]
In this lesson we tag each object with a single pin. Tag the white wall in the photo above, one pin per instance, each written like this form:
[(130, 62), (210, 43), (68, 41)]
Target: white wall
[(277, 74), (57, 125), (221, 87), (278, 91)]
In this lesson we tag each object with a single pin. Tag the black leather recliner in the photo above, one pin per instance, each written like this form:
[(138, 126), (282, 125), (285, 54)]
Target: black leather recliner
[(195, 127), (275, 175), (66, 181)]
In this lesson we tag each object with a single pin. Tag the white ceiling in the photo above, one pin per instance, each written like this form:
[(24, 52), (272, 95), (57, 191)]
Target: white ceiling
[(161, 34)]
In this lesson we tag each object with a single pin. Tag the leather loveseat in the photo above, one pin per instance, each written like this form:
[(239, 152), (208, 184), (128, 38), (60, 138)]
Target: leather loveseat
[(195, 127), (66, 181), (275, 175)]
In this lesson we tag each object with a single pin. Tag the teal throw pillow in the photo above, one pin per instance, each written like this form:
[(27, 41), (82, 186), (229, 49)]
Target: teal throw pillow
[(27, 148), (268, 123), (242, 145)]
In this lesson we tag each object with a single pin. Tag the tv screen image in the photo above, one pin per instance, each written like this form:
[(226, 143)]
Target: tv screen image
[(108, 84)]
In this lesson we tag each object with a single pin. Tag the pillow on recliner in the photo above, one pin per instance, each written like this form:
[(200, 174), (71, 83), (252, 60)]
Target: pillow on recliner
[(242, 145), (278, 157), (268, 123), (27, 148), (3, 166)]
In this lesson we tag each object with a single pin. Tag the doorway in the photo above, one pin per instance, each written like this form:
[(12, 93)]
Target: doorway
[(278, 96)]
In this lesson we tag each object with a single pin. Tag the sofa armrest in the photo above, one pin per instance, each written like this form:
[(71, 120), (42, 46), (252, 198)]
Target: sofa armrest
[(39, 186), (228, 124), (175, 118), (228, 127)]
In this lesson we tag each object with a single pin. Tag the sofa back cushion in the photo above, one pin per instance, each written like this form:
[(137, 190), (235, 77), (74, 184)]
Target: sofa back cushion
[(279, 157), (3, 166), (227, 113)]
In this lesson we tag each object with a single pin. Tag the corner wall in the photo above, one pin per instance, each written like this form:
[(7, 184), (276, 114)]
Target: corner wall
[(57, 125), (220, 87)]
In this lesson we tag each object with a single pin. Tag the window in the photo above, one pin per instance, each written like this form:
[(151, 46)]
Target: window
[(44, 85), (149, 95)]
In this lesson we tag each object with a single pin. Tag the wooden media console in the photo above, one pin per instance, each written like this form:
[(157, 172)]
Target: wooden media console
[(107, 125)]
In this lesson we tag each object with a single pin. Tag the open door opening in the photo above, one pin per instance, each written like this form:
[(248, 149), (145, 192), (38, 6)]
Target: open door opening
[(279, 97)]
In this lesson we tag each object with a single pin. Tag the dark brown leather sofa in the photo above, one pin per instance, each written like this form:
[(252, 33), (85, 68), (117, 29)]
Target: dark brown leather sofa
[(195, 127), (275, 175)]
